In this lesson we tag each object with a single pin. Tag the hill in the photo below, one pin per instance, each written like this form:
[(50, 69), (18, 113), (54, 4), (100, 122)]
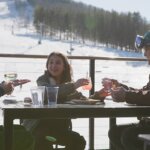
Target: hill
[(15, 37)]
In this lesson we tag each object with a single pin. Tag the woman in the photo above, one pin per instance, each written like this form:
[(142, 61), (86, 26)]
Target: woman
[(59, 73)]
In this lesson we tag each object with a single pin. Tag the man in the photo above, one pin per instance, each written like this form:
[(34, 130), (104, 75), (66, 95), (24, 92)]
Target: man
[(125, 137)]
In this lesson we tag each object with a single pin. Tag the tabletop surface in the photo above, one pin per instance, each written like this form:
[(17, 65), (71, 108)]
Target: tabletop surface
[(109, 109), (107, 104)]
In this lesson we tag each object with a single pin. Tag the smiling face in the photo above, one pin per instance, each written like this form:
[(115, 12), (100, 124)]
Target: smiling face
[(55, 67), (58, 67)]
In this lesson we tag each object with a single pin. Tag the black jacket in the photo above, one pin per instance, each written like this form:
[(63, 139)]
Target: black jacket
[(66, 91), (139, 97), (1, 90)]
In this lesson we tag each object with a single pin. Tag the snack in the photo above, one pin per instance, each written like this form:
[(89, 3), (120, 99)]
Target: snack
[(85, 102), (27, 100)]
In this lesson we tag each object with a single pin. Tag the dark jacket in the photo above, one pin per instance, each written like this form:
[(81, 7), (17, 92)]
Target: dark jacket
[(139, 97), (1, 90), (66, 92)]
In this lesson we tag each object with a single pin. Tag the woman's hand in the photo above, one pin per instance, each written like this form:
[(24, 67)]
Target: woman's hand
[(81, 82)]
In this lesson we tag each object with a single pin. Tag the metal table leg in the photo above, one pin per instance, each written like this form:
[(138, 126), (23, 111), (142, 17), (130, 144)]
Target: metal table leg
[(112, 122), (8, 131)]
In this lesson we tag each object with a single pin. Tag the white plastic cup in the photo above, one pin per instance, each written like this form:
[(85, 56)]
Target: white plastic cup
[(52, 94), (37, 94)]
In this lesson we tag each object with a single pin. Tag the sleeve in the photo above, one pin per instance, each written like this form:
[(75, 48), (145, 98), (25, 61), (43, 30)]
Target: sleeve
[(96, 96), (43, 81), (65, 90), (138, 97), (147, 86), (2, 92), (126, 87)]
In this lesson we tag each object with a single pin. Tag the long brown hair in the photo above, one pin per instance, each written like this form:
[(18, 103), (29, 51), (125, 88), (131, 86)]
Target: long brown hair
[(67, 73)]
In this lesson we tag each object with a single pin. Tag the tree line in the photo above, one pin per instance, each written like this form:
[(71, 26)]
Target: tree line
[(74, 20)]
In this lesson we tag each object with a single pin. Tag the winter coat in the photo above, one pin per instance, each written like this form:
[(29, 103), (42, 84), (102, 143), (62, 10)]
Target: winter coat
[(66, 92), (1, 90), (139, 97)]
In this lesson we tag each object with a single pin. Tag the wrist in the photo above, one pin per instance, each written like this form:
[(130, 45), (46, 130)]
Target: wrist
[(75, 85)]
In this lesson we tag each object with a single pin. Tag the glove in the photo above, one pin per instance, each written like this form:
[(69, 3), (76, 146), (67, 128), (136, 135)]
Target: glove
[(118, 95)]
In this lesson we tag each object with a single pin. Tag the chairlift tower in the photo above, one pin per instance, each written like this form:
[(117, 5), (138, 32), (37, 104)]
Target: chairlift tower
[(40, 33), (69, 52), (71, 48)]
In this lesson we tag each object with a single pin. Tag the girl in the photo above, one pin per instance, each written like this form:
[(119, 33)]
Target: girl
[(58, 72)]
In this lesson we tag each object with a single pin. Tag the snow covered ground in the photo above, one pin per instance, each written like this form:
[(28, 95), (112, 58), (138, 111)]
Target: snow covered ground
[(16, 39)]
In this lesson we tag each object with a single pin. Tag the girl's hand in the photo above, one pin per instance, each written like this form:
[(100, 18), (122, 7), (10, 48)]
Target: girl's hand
[(103, 93), (81, 82)]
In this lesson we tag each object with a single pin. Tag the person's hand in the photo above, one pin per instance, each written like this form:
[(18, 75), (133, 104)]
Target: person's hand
[(8, 87), (115, 84), (105, 79), (118, 94), (103, 93), (81, 82)]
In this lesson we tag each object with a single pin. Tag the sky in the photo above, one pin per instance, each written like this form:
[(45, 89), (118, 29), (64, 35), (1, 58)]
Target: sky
[(142, 6)]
